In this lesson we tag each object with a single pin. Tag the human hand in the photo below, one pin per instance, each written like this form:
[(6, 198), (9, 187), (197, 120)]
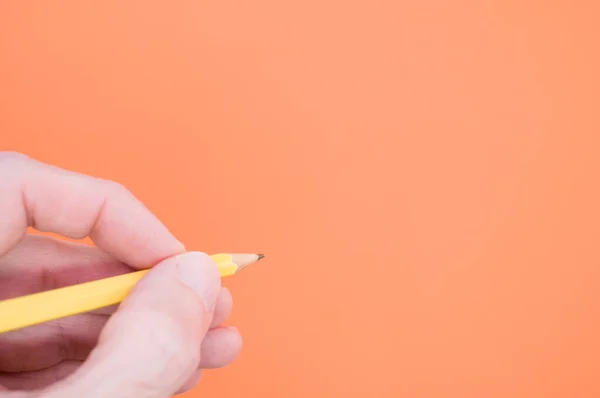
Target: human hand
[(155, 344)]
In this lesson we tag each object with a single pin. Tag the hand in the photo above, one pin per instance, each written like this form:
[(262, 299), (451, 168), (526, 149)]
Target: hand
[(155, 344)]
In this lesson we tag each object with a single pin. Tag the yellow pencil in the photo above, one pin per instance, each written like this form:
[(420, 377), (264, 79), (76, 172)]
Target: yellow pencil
[(46, 306)]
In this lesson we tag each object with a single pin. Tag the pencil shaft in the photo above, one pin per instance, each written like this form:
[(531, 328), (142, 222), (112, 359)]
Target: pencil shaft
[(46, 306), (55, 304)]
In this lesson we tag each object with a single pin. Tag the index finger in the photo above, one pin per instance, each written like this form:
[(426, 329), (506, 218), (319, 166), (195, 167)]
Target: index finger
[(50, 199)]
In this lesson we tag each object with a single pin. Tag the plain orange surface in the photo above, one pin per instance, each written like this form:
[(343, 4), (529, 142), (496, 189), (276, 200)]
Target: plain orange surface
[(423, 176)]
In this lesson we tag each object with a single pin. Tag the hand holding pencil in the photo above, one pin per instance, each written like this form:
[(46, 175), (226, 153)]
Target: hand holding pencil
[(158, 340)]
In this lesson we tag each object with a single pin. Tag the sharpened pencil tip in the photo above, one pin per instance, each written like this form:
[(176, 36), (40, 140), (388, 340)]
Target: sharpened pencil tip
[(244, 260)]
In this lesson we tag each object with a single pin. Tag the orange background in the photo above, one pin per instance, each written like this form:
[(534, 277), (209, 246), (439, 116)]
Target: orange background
[(423, 176)]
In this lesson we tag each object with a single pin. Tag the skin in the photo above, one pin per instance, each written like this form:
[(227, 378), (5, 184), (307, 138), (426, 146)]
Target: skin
[(155, 344)]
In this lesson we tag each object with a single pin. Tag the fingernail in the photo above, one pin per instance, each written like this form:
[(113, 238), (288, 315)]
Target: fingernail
[(199, 272)]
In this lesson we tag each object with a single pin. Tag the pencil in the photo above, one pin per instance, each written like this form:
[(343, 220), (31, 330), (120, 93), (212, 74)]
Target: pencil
[(46, 306)]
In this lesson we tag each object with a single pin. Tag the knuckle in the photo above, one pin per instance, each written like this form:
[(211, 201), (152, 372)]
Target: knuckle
[(116, 189), (11, 160), (11, 155)]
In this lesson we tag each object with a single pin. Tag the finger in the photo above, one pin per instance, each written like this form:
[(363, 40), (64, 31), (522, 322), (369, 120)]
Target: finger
[(38, 379), (74, 338), (220, 347), (41, 263), (151, 346), (46, 345), (222, 308), (73, 205)]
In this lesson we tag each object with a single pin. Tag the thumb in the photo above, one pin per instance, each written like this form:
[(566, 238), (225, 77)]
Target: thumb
[(151, 346)]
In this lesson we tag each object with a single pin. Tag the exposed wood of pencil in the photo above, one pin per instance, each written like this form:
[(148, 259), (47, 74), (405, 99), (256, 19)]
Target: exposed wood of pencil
[(46, 306)]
